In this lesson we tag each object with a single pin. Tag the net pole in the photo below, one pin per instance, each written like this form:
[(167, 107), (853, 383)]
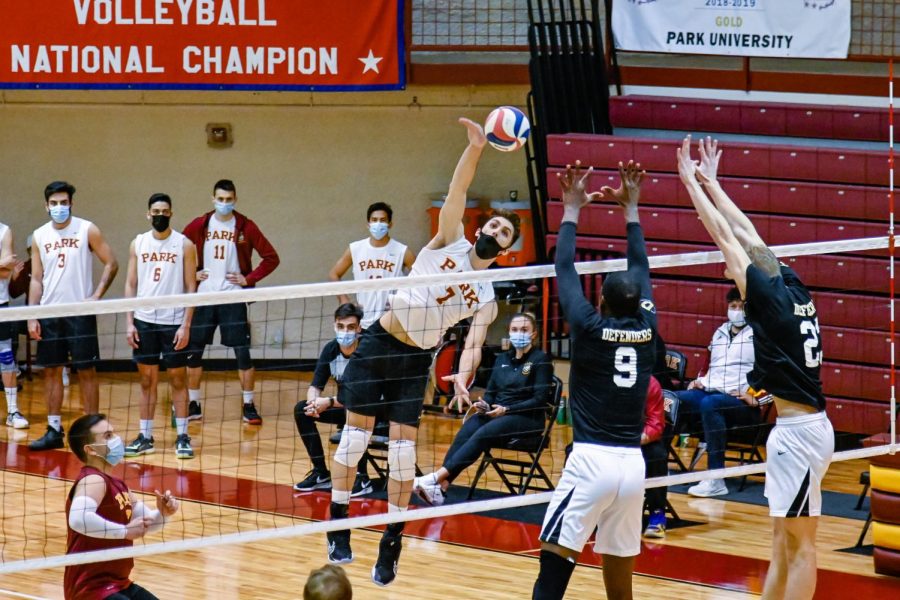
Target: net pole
[(893, 375)]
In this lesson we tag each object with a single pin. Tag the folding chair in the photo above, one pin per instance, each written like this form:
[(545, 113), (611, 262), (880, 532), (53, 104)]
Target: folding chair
[(671, 404), (676, 363), (533, 445)]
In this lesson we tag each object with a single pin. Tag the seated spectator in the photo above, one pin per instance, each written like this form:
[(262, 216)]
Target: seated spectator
[(328, 583), (656, 459), (720, 397), (514, 404), (327, 409)]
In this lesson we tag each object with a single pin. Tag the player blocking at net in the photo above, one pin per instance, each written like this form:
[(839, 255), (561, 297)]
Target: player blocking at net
[(613, 357), (161, 262), (788, 352), (388, 372)]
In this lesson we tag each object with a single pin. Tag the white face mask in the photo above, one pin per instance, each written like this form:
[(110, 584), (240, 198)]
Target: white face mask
[(736, 317)]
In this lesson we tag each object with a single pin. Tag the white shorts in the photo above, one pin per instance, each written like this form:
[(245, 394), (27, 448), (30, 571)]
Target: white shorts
[(797, 456), (603, 487)]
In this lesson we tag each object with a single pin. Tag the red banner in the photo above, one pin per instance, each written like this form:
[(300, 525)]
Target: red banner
[(326, 45)]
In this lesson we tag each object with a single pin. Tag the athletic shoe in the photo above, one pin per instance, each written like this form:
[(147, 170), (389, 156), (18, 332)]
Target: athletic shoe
[(183, 447), (194, 411), (65, 376), (656, 527), (140, 445), (16, 420), (385, 570), (362, 486), (51, 440), (432, 495), (314, 481), (339, 552), (709, 488), (251, 416)]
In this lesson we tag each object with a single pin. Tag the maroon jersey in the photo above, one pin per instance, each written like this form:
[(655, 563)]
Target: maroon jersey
[(96, 581)]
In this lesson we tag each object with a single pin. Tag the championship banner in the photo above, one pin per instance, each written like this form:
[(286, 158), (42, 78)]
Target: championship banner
[(321, 45), (783, 28)]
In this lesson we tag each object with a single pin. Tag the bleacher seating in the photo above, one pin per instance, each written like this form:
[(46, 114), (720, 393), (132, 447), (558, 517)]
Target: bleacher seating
[(796, 194)]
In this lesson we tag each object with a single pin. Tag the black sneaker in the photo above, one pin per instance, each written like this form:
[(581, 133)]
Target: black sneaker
[(140, 445), (194, 411), (385, 569), (339, 552), (314, 481), (250, 415), (362, 486), (183, 448), (51, 440)]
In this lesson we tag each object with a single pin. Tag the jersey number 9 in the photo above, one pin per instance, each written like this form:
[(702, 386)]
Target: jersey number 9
[(626, 365)]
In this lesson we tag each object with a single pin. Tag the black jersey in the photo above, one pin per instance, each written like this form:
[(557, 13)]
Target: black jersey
[(612, 358), (786, 338), (331, 363)]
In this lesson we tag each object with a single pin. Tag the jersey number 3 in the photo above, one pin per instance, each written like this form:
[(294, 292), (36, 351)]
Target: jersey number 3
[(812, 347), (626, 365)]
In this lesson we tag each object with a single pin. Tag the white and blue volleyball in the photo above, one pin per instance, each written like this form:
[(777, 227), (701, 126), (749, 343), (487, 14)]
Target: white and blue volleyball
[(507, 128)]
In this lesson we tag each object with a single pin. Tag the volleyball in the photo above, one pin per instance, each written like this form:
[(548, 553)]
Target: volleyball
[(507, 128)]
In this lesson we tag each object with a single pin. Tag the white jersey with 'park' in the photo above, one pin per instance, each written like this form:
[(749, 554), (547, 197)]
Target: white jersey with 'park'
[(160, 272), (220, 256), (370, 262), (66, 257), (427, 312)]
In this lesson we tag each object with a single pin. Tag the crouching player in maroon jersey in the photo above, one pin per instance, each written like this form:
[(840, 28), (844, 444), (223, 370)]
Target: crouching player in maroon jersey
[(102, 514)]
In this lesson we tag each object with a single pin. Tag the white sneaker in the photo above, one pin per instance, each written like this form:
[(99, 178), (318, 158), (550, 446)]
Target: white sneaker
[(16, 420), (709, 488), (425, 481), (431, 494), (65, 376)]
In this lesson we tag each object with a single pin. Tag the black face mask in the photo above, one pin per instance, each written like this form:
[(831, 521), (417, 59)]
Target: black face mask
[(487, 247), (160, 222)]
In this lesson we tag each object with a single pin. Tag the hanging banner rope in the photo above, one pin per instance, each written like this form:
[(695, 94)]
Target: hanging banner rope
[(339, 45)]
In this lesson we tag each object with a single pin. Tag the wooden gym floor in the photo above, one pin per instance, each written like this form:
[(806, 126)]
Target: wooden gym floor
[(241, 478)]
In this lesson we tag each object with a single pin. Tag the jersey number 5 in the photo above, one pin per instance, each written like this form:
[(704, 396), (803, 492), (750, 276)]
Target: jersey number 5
[(626, 365), (812, 347)]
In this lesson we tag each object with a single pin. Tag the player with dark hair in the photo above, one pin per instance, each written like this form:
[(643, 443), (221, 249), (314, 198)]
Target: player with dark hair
[(8, 332), (161, 262), (62, 273), (788, 352), (378, 256), (388, 372), (103, 514), (613, 357), (225, 241)]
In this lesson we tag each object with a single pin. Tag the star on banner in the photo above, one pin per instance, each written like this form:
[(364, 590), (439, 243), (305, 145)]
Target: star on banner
[(370, 62)]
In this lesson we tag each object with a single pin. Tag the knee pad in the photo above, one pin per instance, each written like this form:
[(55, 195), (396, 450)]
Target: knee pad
[(354, 442), (195, 358), (7, 358), (402, 460), (242, 354)]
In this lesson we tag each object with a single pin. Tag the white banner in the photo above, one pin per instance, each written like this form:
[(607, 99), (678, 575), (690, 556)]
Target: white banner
[(795, 28)]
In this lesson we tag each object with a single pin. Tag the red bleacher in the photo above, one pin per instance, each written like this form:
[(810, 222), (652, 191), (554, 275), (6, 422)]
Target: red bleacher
[(796, 194)]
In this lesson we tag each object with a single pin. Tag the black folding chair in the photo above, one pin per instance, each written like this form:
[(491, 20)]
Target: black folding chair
[(523, 471), (671, 404)]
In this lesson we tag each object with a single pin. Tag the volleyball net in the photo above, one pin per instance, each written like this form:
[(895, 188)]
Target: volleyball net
[(239, 486)]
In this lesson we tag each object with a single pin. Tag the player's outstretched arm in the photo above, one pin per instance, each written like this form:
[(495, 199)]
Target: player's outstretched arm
[(450, 227), (103, 252), (707, 174), (736, 258), (131, 285), (471, 355), (342, 265), (577, 310), (628, 195), (7, 255), (35, 287), (189, 267)]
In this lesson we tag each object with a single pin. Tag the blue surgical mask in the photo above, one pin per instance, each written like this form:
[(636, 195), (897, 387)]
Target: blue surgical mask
[(115, 450), (345, 338), (736, 317), (520, 339), (60, 213), (224, 208), (378, 229)]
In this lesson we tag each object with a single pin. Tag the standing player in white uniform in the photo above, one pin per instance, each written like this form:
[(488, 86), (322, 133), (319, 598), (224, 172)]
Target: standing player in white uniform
[(378, 256), (788, 352), (8, 368), (388, 372), (61, 272), (161, 262), (613, 358)]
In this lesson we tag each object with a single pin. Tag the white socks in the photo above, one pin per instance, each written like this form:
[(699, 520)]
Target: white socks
[(194, 395), (340, 497), (393, 508), (55, 421), (181, 425), (147, 428), (248, 397), (11, 399)]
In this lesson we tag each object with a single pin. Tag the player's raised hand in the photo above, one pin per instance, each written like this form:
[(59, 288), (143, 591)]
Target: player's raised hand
[(574, 183), (709, 160), (476, 132), (166, 503), (628, 194), (687, 167)]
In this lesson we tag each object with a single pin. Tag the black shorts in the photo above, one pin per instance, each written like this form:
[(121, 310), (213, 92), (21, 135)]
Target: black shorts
[(385, 377), (69, 336), (158, 340), (8, 329), (231, 319)]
